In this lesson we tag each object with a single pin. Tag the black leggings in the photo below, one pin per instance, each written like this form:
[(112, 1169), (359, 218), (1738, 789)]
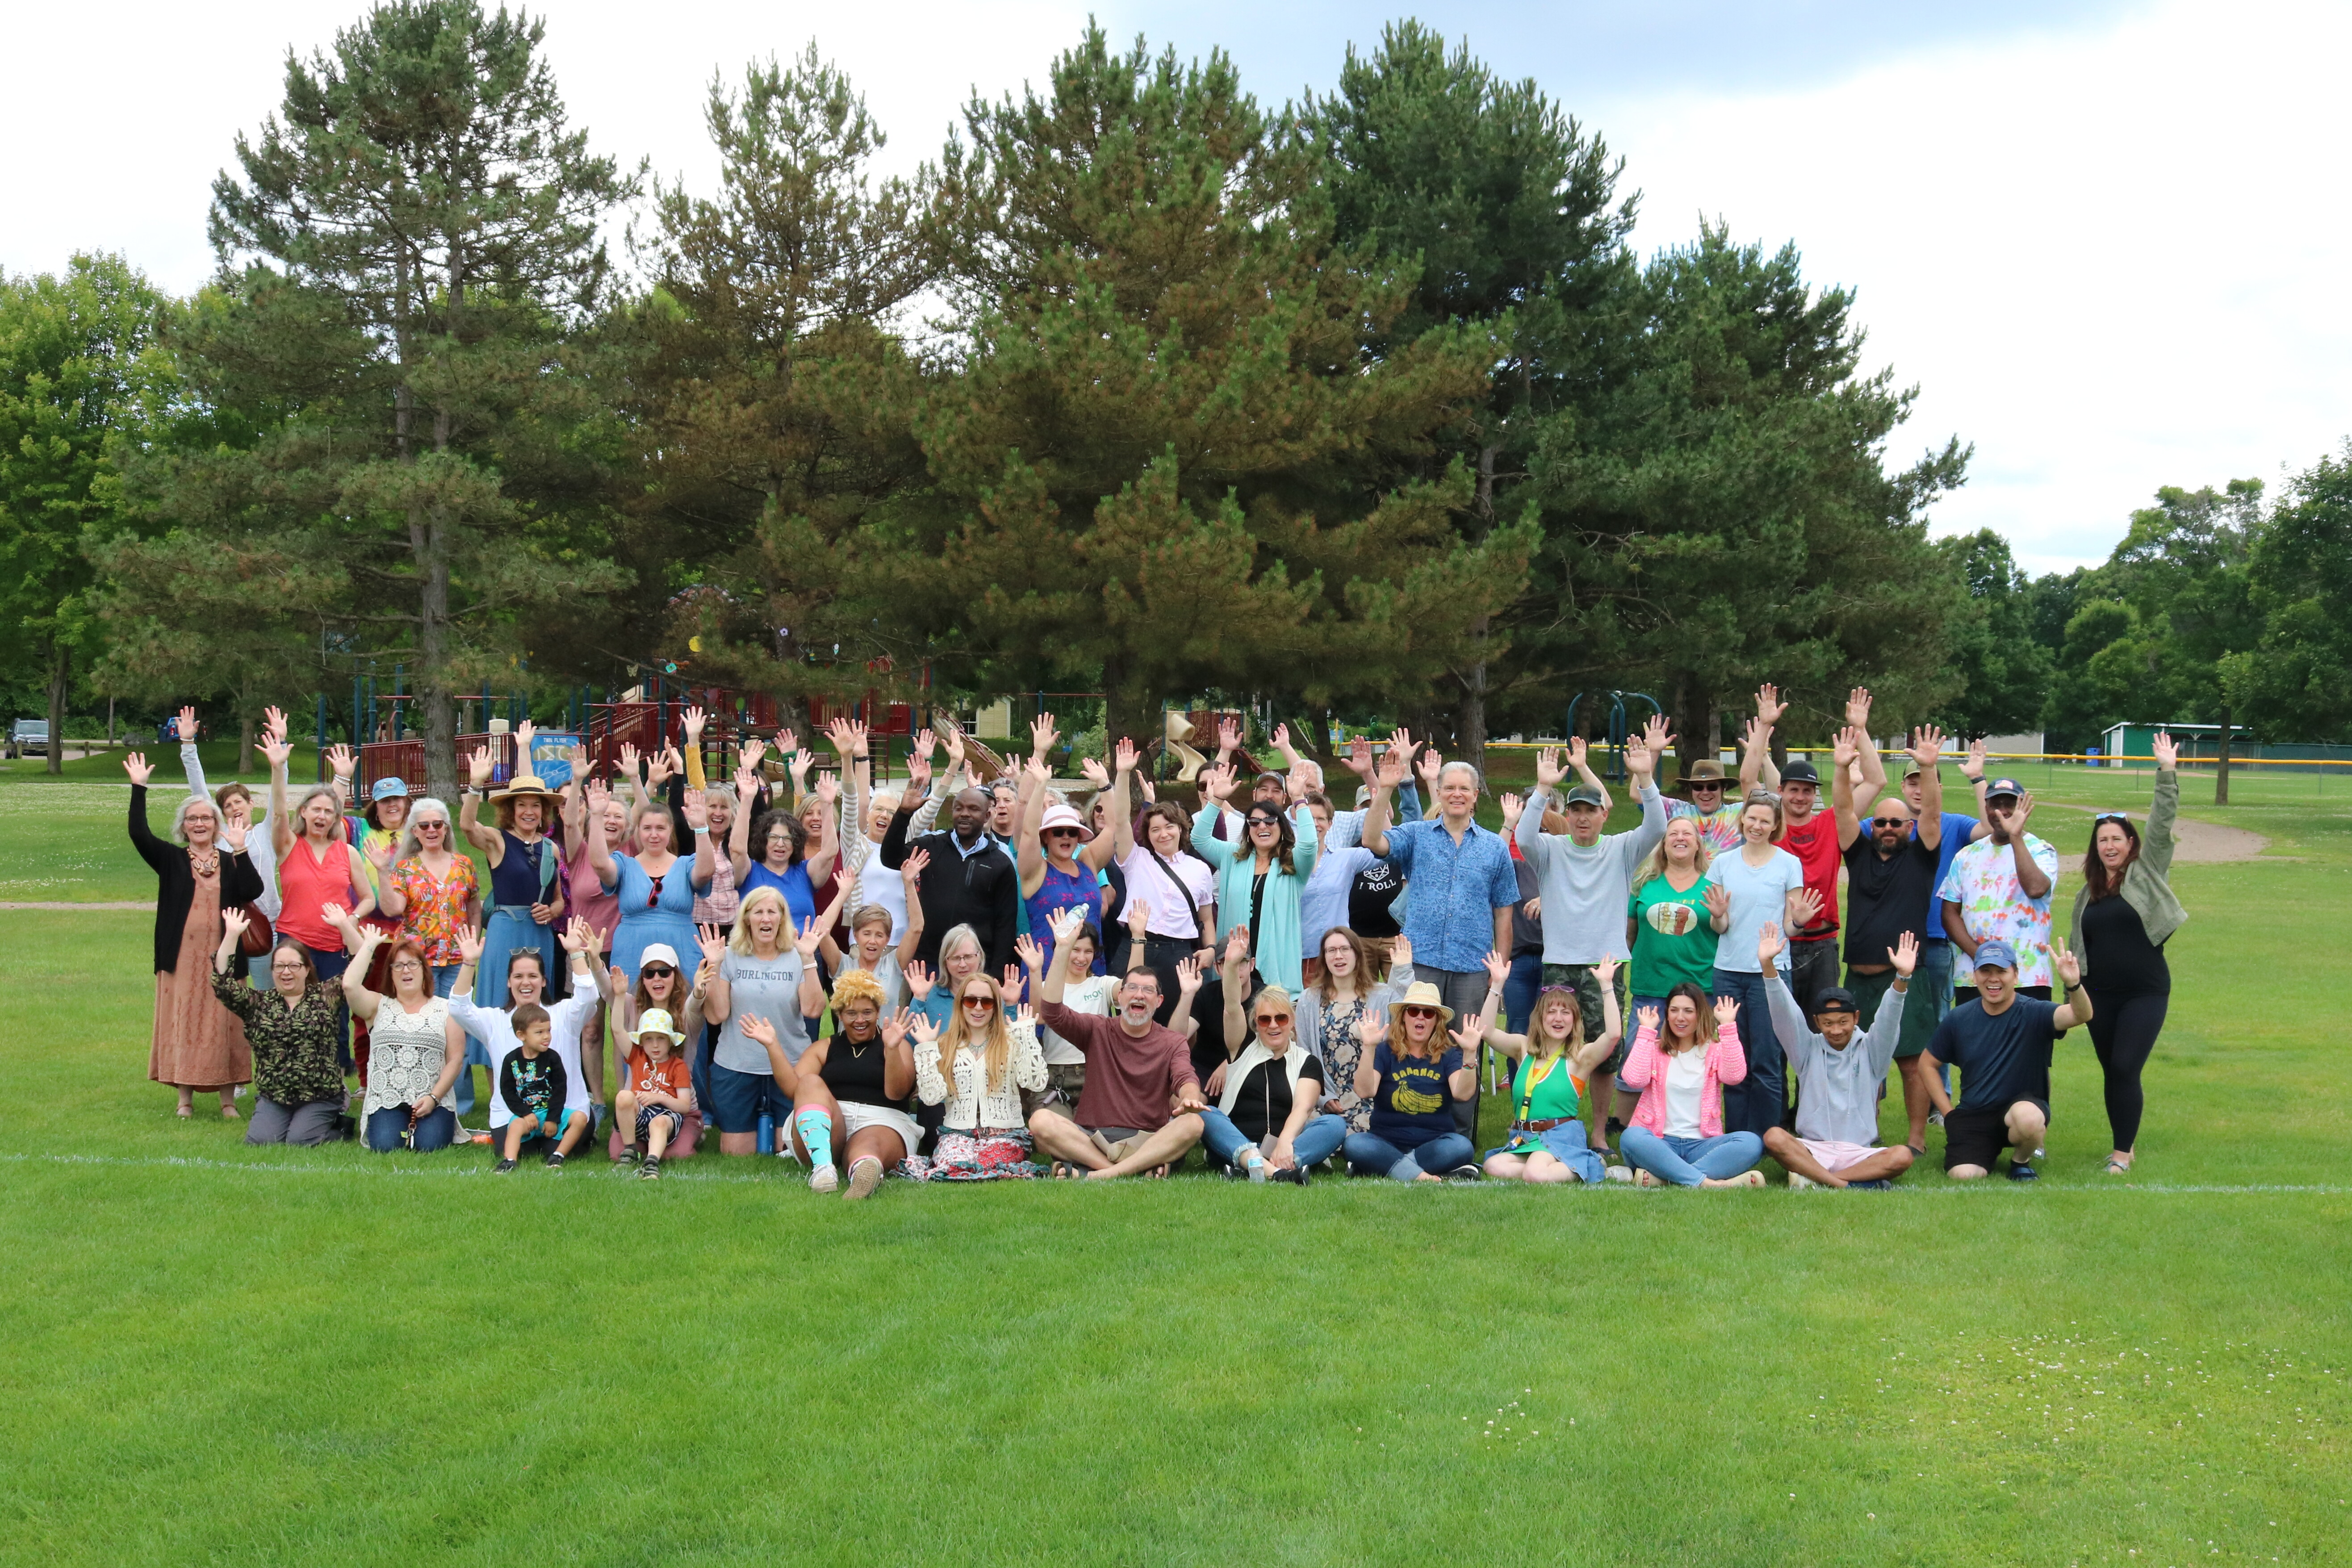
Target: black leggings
[(2122, 1032)]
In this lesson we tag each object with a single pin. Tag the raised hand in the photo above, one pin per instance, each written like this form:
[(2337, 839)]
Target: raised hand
[(578, 936), (233, 832), (841, 734), (477, 766), (594, 797), (1282, 742), (1646, 1018), (1042, 736), (1430, 765), (660, 766), (1400, 952), (1031, 955), (1974, 767), (799, 764), (926, 741), (1498, 968), (758, 1030), (1359, 757), (1395, 766), (2167, 753), (1065, 924), (234, 925), (1512, 805), (829, 788), (1768, 705), (1025, 1013), (1124, 757), (1605, 972), (1927, 745), (694, 719), (712, 942), (1769, 944), (787, 743), (897, 1027), (1138, 916), (275, 748), (918, 773), (1229, 739), (186, 730), (920, 980), (1217, 782), (335, 915), (273, 722), (747, 782), (2020, 813), (135, 763), (955, 746), (1038, 773), (1237, 947), (1097, 774), (1857, 708), (1469, 1035), (1372, 1028), (341, 759), (378, 854), (1014, 983), (910, 869), (1658, 735), (1639, 761), (1717, 899), (1187, 975), (810, 939), (469, 944), (1549, 773), (1847, 747), (630, 757), (1903, 955), (1755, 735), (2070, 965), (698, 813), (1726, 1013), (524, 733), (1579, 753), (925, 1033), (1805, 905)]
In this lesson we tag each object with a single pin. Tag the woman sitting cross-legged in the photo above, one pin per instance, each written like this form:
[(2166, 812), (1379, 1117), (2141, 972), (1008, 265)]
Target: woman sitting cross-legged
[(1266, 1124), (293, 1029), (1409, 1068), (849, 1089), (415, 1049), (977, 1067), (1556, 1062), (1677, 1134)]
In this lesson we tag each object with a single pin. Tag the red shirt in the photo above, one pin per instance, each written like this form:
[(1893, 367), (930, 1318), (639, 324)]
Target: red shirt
[(1129, 1078), (1815, 846)]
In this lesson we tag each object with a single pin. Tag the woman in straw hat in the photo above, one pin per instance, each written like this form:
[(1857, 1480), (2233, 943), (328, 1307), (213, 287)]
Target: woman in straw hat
[(1062, 859), (526, 893), (1410, 1070)]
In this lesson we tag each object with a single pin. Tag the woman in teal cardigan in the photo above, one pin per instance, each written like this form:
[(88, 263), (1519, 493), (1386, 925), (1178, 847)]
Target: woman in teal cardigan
[(2125, 912), (1259, 879)]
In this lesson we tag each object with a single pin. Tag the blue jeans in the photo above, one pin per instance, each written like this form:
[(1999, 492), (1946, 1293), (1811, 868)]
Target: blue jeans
[(1434, 1158), (1519, 992), (1685, 1161), (330, 966), (1757, 1105), (1317, 1142), (434, 1133)]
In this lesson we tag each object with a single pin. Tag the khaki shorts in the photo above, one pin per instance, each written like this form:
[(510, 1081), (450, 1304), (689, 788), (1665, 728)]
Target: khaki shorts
[(1064, 1083)]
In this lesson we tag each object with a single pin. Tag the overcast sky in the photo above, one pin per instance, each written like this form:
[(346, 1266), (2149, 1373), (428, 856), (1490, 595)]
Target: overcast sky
[(2107, 240)]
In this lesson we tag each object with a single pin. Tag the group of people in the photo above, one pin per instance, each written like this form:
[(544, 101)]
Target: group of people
[(1022, 983)]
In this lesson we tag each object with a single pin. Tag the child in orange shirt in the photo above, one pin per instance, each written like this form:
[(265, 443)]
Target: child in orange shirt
[(660, 1090)]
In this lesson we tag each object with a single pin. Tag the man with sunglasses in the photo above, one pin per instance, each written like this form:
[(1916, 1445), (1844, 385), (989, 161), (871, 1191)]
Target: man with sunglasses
[(1891, 876)]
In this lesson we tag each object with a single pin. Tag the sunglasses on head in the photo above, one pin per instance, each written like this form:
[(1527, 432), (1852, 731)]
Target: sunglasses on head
[(2110, 816), (1562, 990)]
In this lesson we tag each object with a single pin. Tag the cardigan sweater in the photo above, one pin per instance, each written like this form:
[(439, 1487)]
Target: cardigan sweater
[(2147, 888), (176, 883), (1280, 943), (1645, 1069)]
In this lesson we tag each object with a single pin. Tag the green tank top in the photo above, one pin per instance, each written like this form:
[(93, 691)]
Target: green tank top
[(1552, 1095)]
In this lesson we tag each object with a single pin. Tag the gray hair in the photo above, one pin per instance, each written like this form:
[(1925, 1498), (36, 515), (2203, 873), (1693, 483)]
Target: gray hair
[(424, 808), (189, 802), (1477, 780)]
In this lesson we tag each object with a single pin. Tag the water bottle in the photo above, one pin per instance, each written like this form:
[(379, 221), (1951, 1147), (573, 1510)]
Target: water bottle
[(767, 1134)]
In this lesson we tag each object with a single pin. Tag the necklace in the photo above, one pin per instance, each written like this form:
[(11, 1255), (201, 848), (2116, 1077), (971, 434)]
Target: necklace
[(204, 864)]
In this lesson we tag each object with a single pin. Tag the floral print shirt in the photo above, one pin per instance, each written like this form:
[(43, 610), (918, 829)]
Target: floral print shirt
[(293, 1047), (1341, 1053), (436, 908)]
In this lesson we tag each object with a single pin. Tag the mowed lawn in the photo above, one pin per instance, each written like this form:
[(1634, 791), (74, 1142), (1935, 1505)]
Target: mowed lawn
[(219, 1353)]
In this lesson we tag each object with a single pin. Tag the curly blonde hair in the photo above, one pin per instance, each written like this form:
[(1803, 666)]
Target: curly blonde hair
[(857, 985)]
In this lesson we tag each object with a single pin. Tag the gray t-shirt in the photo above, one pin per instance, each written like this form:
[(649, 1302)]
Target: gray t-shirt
[(772, 988), (1585, 886)]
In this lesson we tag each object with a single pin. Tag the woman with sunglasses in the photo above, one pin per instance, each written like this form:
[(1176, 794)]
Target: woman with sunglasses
[(1268, 1123), (975, 1069), (1061, 858), (526, 904), (415, 1049), (661, 988), (769, 975), (432, 890), (1409, 1070), (656, 888), (1259, 880), (1677, 1136), (1548, 1143), (2125, 912)]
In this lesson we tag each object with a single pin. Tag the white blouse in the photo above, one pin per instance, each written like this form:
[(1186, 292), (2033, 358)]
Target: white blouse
[(407, 1052), (969, 1107)]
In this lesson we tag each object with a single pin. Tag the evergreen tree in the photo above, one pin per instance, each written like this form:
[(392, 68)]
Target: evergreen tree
[(2001, 671), (1167, 462), (407, 252)]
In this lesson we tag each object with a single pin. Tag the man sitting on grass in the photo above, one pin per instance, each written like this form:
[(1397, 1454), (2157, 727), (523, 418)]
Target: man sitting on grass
[(1136, 1070), (1837, 1075), (2001, 1042)]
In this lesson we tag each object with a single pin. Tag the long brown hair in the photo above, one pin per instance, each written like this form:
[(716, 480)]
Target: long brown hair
[(1700, 1000), (1540, 1045), (2094, 870), (954, 1038), (1363, 980)]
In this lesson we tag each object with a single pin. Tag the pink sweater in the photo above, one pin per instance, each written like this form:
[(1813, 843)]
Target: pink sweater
[(1645, 1069)]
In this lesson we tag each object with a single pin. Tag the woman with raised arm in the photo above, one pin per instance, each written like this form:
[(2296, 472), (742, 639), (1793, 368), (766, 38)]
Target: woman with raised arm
[(1548, 1142), (1677, 1135), (1259, 881), (526, 891), (850, 1089), (1268, 1123), (198, 1043), (1762, 882), (656, 887), (526, 980), (316, 867), (870, 950), (975, 1069), (431, 890), (779, 851), (865, 816), (1061, 859), (1332, 1013), (2125, 912), (764, 973), (415, 1048), (1409, 1071), (294, 1030), (236, 805), (1176, 888)]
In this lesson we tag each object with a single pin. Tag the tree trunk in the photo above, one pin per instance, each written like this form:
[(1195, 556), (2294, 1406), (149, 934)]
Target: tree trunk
[(244, 740), (433, 653), (2221, 762), (1127, 713), (60, 676)]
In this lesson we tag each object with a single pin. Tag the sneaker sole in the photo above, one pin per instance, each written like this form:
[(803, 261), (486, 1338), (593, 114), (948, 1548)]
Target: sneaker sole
[(824, 1181), (865, 1179)]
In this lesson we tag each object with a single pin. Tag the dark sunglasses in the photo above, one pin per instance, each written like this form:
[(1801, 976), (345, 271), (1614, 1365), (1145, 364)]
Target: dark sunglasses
[(1421, 1012), (1890, 822), (653, 893), (1264, 1020), (1065, 832), (1698, 784), (656, 969), (979, 1004)]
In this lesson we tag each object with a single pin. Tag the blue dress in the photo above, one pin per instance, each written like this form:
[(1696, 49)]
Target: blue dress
[(524, 876), (648, 917), (799, 893)]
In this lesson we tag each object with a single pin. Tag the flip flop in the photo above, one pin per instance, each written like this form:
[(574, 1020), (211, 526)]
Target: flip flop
[(2119, 1168)]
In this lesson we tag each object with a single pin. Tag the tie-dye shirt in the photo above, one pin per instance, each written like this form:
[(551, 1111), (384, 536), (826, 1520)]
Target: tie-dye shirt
[(1719, 827), (1983, 883)]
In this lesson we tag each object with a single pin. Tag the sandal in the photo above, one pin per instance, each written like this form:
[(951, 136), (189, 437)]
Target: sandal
[(2118, 1167), (185, 1112), (1064, 1171)]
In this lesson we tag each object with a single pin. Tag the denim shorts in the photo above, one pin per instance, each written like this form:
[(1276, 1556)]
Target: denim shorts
[(738, 1098)]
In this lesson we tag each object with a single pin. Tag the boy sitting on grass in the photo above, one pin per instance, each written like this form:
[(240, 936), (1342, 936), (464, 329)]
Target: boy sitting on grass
[(532, 1083), (660, 1091), (1838, 1072)]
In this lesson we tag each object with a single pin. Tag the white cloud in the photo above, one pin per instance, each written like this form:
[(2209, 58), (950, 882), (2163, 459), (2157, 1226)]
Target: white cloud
[(2111, 261)]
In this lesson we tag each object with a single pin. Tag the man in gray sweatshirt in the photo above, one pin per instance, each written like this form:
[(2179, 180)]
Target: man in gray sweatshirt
[(1587, 881), (1837, 1075)]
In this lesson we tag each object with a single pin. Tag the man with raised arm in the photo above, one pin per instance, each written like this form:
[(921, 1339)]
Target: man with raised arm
[(1888, 867), (2001, 1042), (1140, 1109), (1835, 1142)]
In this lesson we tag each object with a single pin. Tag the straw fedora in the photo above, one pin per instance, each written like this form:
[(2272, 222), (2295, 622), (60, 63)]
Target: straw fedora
[(522, 785), (1420, 994)]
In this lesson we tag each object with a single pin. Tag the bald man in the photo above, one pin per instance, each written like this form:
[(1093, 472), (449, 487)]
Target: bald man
[(1887, 867)]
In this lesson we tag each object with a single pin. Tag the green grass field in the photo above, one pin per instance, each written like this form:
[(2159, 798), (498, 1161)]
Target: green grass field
[(237, 1355)]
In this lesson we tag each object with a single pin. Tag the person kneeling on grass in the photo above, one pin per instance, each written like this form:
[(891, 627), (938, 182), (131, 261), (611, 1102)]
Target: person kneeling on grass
[(658, 1095), (850, 1088), (1142, 1107), (532, 1085), (1838, 1077), (1408, 1072), (1677, 1134), (294, 1031), (1264, 1125), (1556, 1061), (2001, 1042)]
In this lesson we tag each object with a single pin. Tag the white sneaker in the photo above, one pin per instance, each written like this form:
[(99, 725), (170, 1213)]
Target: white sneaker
[(1797, 1183), (824, 1179), (863, 1177)]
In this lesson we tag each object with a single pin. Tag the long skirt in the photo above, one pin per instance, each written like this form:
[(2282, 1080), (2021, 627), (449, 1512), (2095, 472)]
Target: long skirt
[(198, 1044), (982, 1154)]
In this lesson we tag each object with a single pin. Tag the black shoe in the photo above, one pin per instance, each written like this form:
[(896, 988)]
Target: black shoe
[(1296, 1176), (1465, 1174), (505, 1166), (555, 1159), (651, 1170), (1880, 1186), (2019, 1171)]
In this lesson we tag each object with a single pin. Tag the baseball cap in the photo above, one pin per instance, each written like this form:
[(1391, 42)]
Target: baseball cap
[(1584, 794), (1996, 955), (1836, 999), (2009, 788), (394, 788), (658, 952), (1799, 771)]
